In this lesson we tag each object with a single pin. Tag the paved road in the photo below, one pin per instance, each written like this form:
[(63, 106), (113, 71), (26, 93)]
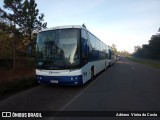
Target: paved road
[(126, 86)]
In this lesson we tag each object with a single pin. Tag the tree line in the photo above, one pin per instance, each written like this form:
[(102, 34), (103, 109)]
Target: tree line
[(121, 53), (150, 50), (20, 20)]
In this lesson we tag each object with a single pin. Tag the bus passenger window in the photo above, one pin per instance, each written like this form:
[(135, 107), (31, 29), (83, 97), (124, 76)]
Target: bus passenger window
[(84, 45)]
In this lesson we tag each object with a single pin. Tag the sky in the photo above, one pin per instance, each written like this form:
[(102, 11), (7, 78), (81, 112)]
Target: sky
[(125, 23)]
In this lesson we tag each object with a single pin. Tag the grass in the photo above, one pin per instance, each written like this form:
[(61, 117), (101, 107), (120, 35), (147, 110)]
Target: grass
[(148, 62), (22, 78)]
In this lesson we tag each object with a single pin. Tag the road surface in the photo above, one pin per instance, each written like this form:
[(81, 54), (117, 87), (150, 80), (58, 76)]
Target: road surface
[(125, 86)]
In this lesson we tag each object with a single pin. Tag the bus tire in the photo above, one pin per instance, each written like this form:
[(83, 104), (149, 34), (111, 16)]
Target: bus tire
[(109, 63), (105, 67), (92, 72)]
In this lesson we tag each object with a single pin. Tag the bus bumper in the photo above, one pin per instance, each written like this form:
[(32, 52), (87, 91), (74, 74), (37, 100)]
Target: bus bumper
[(61, 80)]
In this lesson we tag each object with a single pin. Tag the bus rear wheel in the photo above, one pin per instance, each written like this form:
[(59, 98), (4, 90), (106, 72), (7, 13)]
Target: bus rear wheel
[(105, 67), (92, 73)]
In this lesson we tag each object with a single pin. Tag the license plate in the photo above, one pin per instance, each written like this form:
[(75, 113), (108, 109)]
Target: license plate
[(54, 81)]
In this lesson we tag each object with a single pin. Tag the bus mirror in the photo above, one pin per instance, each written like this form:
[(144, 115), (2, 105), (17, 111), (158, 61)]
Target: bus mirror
[(30, 49)]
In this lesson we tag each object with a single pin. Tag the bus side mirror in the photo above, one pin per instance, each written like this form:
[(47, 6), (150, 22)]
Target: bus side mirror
[(30, 49)]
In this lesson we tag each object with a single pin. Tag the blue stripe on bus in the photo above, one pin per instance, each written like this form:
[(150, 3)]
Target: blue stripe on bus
[(62, 80)]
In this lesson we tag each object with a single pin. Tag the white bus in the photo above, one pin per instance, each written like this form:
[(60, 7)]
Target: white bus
[(69, 55), (111, 56)]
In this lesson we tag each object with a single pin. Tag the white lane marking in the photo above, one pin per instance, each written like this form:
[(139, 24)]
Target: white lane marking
[(133, 68), (65, 106), (92, 82)]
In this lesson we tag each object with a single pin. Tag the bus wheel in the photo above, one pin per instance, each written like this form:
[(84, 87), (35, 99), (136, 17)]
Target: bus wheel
[(92, 73), (105, 67), (110, 64)]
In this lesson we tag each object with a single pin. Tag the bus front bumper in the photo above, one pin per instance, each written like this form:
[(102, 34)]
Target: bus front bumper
[(61, 80)]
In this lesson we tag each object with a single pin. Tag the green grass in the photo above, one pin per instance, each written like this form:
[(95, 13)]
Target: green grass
[(148, 62)]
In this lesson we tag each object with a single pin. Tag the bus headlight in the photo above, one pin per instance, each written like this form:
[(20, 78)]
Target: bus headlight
[(39, 77), (73, 78)]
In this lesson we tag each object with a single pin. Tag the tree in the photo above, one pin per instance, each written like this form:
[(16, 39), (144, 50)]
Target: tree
[(15, 6), (5, 40), (150, 50), (124, 53), (114, 48), (136, 48), (24, 18), (31, 20), (154, 45)]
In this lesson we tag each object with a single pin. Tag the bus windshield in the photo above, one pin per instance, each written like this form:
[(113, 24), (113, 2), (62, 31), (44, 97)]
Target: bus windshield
[(58, 49)]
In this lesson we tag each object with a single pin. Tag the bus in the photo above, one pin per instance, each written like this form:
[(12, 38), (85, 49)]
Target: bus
[(112, 56), (69, 55)]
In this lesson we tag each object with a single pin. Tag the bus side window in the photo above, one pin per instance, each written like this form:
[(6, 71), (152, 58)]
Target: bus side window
[(84, 45)]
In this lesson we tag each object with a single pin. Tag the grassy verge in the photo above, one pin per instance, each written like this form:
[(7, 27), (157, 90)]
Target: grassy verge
[(148, 62), (9, 87), (13, 81), (22, 78)]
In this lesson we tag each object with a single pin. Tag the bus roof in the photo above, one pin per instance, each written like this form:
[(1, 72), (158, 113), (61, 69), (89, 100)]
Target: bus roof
[(63, 27)]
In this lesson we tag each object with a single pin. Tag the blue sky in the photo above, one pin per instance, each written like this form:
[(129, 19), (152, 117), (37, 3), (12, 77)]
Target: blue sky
[(126, 23)]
